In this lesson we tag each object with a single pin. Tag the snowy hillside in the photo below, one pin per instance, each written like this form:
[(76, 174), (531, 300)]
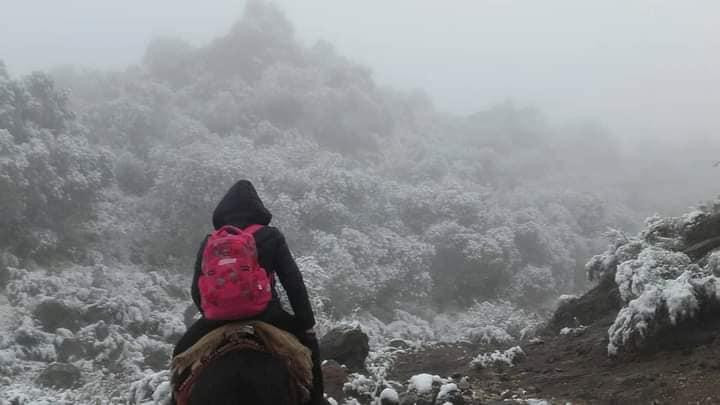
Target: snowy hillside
[(421, 227)]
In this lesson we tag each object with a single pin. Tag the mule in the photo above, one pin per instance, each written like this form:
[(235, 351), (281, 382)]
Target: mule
[(245, 377)]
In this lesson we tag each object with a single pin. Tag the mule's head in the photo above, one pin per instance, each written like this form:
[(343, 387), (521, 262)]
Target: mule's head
[(243, 377)]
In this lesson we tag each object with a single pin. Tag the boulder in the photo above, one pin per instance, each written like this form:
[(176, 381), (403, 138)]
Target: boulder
[(400, 344), (602, 301), (61, 376), (347, 346), (157, 357), (29, 337), (413, 398), (102, 330), (389, 396), (450, 394), (71, 349), (53, 314)]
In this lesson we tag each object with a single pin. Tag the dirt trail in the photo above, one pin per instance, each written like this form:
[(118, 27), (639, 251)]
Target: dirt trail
[(683, 366)]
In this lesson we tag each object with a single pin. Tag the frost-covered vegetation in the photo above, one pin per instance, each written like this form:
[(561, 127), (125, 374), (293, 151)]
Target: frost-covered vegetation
[(666, 274), (506, 358), (416, 224), (393, 201), (83, 334)]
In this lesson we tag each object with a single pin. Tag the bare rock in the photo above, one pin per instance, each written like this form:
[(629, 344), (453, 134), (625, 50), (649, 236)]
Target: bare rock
[(71, 349), (157, 357), (346, 346), (53, 314), (60, 375)]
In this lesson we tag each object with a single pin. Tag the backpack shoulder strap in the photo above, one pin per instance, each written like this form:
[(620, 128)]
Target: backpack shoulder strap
[(253, 228), (227, 229)]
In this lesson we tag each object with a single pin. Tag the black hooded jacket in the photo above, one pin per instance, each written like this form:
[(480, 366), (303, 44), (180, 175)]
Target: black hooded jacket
[(241, 206)]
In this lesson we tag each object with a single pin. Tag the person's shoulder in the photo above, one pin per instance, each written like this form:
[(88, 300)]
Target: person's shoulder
[(268, 234)]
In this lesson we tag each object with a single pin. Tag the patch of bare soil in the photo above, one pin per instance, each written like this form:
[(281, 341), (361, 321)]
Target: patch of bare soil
[(681, 367)]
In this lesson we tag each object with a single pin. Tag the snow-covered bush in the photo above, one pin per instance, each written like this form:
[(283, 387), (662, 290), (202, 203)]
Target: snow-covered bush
[(113, 340), (360, 386), (390, 195), (487, 323), (665, 275), (447, 391), (50, 174), (152, 389), (423, 383), (507, 358), (577, 331)]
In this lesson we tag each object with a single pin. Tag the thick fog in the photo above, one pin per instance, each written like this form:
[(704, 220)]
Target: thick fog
[(643, 68), (441, 173)]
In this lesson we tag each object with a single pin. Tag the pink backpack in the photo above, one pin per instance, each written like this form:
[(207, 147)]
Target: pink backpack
[(232, 283)]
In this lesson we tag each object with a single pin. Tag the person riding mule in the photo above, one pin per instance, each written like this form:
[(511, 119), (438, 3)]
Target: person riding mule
[(241, 207)]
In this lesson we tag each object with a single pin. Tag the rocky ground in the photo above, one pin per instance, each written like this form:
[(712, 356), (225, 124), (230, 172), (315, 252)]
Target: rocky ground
[(682, 367), (576, 369), (648, 333)]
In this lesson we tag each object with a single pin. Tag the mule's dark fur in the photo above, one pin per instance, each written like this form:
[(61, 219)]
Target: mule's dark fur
[(245, 377)]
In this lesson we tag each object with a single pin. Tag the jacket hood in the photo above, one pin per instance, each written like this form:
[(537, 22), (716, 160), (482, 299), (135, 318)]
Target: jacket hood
[(241, 206)]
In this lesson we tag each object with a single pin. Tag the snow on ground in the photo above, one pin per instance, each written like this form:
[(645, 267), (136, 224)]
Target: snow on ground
[(447, 389), (389, 394), (573, 331), (115, 326), (423, 383), (108, 326)]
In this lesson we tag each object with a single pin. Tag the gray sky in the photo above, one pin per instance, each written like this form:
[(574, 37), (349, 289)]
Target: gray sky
[(647, 67)]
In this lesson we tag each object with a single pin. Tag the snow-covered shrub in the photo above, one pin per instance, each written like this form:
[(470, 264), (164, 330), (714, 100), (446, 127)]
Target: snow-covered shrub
[(151, 389), (132, 174), (565, 298), (388, 395), (507, 358), (658, 280), (661, 305), (488, 323), (494, 322), (51, 175), (32, 343), (113, 337), (9, 364), (713, 263), (533, 285), (573, 331), (447, 392), (360, 386), (490, 335), (483, 261), (370, 268), (423, 383), (620, 249)]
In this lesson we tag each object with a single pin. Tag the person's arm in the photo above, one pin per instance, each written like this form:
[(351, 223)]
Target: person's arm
[(195, 290), (292, 281)]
